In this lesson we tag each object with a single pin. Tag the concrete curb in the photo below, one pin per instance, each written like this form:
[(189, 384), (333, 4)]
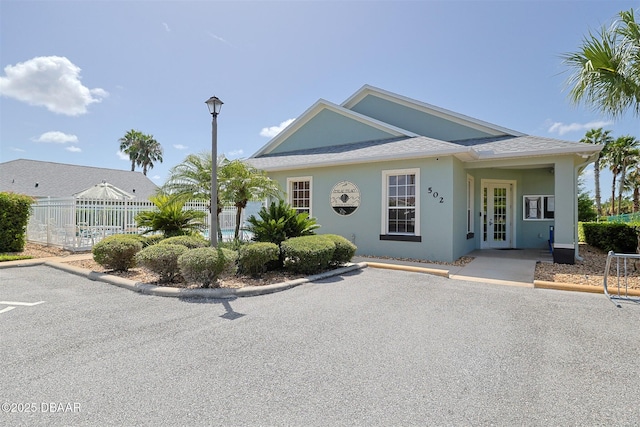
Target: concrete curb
[(581, 288), (435, 271), (167, 291)]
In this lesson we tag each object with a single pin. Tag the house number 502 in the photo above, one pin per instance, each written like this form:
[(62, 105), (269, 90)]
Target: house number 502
[(435, 195)]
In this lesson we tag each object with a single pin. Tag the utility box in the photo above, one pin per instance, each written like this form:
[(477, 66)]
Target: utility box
[(564, 253)]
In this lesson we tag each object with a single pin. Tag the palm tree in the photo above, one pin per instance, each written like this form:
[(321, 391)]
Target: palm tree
[(149, 150), (606, 68), (620, 154), (191, 179), (241, 182), (170, 217), (598, 136), (130, 144)]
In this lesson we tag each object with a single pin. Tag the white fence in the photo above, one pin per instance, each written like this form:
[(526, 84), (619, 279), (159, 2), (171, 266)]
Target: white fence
[(78, 224)]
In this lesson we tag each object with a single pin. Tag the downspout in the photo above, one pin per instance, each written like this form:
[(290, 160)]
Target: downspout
[(576, 173)]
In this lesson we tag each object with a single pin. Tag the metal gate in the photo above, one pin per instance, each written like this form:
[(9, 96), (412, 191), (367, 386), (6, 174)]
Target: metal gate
[(623, 268)]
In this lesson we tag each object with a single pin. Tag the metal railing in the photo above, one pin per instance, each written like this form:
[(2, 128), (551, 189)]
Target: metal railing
[(78, 224), (622, 277)]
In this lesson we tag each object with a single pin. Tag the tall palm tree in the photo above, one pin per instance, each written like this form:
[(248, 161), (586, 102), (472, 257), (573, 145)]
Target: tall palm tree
[(241, 182), (130, 144), (598, 136), (620, 154), (149, 150), (606, 68)]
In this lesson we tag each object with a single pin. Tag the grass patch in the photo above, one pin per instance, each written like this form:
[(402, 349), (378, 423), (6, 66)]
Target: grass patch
[(4, 257)]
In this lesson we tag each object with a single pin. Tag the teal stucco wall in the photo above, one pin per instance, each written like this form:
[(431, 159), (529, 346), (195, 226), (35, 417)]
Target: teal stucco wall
[(415, 120), (328, 128)]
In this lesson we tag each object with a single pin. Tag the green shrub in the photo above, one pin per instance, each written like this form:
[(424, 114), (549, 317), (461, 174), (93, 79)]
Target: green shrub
[(254, 258), (117, 252), (280, 222), (307, 254), (191, 242), (14, 217), (205, 265), (345, 250), (151, 239), (170, 217), (611, 236), (162, 259)]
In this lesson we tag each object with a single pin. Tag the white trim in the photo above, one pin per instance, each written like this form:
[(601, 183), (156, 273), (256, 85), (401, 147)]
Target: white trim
[(471, 213), (429, 109), (321, 105), (291, 180), (384, 225)]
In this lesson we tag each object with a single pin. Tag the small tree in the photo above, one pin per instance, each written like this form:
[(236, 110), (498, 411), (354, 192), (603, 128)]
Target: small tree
[(170, 218), (280, 222)]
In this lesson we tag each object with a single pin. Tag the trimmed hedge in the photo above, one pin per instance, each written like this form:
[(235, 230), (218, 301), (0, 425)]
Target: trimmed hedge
[(152, 239), (205, 265), (254, 257), (117, 252), (14, 217), (307, 254), (162, 259), (345, 250), (611, 236), (190, 242)]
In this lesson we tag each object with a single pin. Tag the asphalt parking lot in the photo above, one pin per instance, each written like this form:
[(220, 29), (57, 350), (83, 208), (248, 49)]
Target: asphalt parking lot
[(374, 347)]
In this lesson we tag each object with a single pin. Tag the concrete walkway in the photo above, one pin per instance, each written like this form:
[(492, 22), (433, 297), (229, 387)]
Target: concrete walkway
[(506, 267)]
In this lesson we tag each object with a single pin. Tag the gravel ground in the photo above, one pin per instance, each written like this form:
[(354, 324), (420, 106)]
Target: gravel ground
[(590, 271)]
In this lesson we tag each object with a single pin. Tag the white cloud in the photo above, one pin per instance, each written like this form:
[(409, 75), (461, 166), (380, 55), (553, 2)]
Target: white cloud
[(52, 82), (562, 128), (123, 156), (218, 38), (19, 150), (166, 27), (235, 153), (56, 137), (156, 177), (180, 147), (73, 149), (272, 131)]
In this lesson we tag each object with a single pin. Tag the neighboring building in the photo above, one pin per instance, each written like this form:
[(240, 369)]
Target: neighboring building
[(403, 178), (47, 179)]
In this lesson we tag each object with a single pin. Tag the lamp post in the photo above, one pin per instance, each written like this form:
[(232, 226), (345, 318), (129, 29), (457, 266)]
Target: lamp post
[(214, 105)]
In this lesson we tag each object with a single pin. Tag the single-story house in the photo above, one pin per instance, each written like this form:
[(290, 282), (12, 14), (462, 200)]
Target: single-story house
[(403, 178), (48, 179)]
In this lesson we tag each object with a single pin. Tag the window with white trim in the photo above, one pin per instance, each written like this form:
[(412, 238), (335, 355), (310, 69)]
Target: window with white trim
[(470, 211), (538, 207), (299, 193), (401, 204)]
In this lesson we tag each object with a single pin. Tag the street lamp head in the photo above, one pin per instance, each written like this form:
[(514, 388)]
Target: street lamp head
[(214, 104)]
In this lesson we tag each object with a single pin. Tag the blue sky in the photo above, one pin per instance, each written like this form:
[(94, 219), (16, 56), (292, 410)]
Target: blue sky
[(76, 76)]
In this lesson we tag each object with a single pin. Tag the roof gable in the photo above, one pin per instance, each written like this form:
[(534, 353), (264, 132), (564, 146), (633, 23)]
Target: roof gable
[(422, 118), (64, 180), (328, 124)]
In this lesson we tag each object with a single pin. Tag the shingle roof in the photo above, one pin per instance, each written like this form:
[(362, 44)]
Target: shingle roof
[(64, 180), (417, 147)]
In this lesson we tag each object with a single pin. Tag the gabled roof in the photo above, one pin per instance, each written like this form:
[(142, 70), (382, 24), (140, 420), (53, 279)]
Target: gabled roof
[(421, 147), (326, 105), (368, 90), (64, 180), (497, 143)]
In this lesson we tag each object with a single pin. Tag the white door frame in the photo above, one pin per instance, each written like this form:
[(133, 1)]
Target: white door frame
[(510, 214)]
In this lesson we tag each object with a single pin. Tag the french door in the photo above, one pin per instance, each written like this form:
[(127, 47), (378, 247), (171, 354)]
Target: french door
[(497, 214)]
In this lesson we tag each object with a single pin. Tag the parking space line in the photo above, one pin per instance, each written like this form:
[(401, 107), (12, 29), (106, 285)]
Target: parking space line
[(6, 309), (26, 304)]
